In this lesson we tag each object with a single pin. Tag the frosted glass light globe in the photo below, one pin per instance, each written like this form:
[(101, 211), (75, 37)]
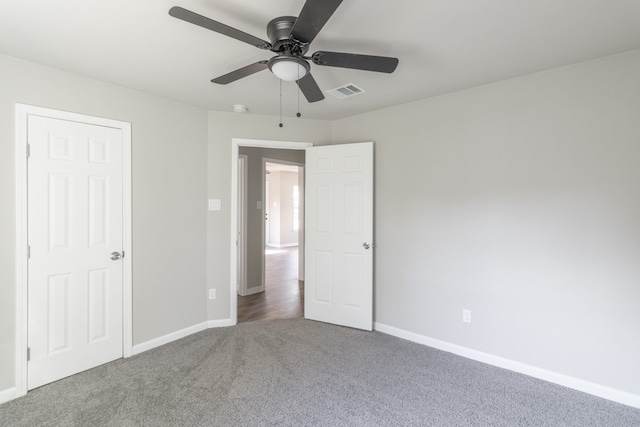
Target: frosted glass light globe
[(289, 69)]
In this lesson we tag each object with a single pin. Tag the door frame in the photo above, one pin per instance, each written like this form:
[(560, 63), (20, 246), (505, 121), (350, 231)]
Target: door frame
[(241, 239), (22, 113), (266, 160), (236, 143)]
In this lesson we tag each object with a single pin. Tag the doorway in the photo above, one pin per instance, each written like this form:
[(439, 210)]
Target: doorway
[(339, 225), (273, 286), (282, 296)]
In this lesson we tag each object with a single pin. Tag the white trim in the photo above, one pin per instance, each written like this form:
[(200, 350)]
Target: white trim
[(21, 251), (127, 247), (222, 323), (605, 392), (236, 143), (253, 290), (8, 394), (166, 339), (241, 240), (284, 245), (22, 112), (182, 333)]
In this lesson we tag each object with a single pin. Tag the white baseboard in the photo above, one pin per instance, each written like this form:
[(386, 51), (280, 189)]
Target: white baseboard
[(288, 245), (605, 392), (8, 394), (165, 339), (283, 245), (253, 290), (220, 323)]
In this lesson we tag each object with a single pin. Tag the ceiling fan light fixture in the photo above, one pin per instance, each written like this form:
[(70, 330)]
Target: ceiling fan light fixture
[(288, 68)]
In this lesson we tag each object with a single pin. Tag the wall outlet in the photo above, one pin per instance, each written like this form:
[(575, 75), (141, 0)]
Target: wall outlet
[(212, 294), (466, 315)]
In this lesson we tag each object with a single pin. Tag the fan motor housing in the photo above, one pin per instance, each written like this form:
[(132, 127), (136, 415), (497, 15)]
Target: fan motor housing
[(279, 33)]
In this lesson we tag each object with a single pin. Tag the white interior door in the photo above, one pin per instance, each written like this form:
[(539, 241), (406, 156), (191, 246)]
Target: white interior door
[(339, 233), (75, 223)]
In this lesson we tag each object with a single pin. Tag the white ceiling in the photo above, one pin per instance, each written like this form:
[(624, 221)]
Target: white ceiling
[(443, 45)]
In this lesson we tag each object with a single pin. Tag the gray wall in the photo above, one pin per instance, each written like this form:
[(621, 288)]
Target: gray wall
[(255, 249), (520, 201), (169, 145), (222, 128), (517, 200)]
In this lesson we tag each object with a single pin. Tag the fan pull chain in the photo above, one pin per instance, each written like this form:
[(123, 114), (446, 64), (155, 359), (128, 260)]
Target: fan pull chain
[(297, 84), (281, 125)]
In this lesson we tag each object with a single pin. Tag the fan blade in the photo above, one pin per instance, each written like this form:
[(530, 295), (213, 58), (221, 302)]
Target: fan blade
[(241, 72), (310, 88), (381, 64), (210, 24), (313, 16)]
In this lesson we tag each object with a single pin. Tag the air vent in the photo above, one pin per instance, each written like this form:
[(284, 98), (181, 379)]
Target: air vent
[(346, 91)]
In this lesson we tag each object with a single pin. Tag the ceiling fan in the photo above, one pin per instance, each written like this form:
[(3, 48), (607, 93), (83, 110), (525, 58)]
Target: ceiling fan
[(290, 38)]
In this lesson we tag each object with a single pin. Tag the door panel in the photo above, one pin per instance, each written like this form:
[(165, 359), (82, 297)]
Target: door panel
[(339, 221), (74, 224)]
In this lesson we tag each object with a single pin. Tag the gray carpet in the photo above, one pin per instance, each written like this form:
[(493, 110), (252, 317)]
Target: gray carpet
[(297, 373)]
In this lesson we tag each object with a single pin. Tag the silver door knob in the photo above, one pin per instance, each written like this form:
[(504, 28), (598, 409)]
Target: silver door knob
[(115, 256), (366, 245)]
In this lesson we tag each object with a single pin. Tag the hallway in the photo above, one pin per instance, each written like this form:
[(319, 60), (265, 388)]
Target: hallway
[(284, 294)]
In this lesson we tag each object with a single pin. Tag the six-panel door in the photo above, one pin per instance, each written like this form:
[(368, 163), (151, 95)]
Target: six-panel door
[(74, 226), (339, 233)]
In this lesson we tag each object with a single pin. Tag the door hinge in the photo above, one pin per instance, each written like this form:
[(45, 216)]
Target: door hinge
[(122, 254), (28, 354), (28, 150), (28, 251)]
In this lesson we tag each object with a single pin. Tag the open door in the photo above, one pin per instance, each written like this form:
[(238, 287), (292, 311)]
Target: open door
[(339, 234)]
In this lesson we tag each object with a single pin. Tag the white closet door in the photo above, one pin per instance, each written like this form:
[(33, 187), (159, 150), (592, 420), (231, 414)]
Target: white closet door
[(75, 225)]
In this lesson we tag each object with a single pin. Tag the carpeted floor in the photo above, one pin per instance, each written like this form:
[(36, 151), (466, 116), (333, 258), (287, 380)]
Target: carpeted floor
[(297, 373)]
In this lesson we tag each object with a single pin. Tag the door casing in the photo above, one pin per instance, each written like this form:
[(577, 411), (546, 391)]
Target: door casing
[(22, 113), (242, 225)]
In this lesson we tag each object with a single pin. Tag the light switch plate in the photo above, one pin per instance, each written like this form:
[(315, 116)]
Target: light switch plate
[(215, 205)]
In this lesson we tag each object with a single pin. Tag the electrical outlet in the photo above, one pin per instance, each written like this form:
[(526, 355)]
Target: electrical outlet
[(466, 315), (212, 294)]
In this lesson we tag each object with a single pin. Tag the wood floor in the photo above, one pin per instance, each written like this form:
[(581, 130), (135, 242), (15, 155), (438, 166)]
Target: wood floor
[(283, 297)]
